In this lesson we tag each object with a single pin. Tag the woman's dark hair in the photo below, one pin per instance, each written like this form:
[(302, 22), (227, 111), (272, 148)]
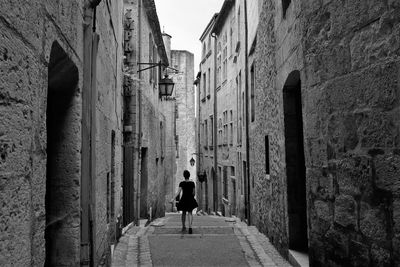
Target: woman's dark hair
[(186, 174)]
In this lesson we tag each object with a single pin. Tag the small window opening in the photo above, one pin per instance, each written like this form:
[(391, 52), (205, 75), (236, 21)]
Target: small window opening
[(285, 6)]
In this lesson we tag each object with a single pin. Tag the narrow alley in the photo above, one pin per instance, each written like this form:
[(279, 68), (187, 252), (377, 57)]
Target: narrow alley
[(216, 241), (275, 123)]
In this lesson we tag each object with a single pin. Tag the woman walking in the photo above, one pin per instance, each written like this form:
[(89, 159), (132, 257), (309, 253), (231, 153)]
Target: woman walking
[(187, 202)]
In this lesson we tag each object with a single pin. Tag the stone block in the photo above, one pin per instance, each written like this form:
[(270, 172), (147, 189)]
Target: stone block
[(380, 256), (26, 18), (15, 218), (342, 134), (345, 211), (374, 87), (396, 216), (376, 42), (337, 245), (359, 254), (20, 70), (372, 222), (387, 169), (396, 250), (15, 138), (378, 129), (354, 175), (323, 210)]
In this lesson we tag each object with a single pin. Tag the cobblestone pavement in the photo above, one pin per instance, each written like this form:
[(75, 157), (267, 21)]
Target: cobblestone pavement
[(216, 241)]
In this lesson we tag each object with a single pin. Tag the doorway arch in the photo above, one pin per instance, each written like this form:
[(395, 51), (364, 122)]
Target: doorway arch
[(62, 167), (295, 164)]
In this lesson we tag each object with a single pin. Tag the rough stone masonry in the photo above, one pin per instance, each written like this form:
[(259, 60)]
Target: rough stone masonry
[(342, 57)]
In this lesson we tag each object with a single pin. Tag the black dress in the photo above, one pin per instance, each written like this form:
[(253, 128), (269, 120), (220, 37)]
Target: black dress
[(187, 201)]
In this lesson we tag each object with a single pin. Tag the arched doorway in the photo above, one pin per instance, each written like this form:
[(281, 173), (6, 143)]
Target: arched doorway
[(295, 165), (62, 170)]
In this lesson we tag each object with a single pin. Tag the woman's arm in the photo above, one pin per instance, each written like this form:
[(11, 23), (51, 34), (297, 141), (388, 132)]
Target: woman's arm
[(179, 192)]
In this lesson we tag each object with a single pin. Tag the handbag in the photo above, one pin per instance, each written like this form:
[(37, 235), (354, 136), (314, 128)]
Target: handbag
[(177, 199)]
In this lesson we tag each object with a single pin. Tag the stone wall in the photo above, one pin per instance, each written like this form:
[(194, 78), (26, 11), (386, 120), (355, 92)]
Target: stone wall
[(351, 79), (153, 141), (108, 127), (29, 30), (206, 110), (41, 47), (347, 55)]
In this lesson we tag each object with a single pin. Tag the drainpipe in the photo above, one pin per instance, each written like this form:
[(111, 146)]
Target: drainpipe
[(246, 88), (215, 118), (139, 133)]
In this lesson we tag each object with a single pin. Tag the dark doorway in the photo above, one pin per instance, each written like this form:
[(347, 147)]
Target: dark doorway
[(215, 190), (62, 178), (295, 166), (144, 185), (233, 211), (128, 186), (246, 192), (206, 195)]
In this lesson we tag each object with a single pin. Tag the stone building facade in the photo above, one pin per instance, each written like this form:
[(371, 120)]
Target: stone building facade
[(325, 138), (60, 131), (233, 57), (183, 62), (205, 95), (146, 125)]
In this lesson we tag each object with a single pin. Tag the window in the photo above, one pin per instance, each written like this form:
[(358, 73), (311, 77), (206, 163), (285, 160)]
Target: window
[(212, 131), (243, 114), (209, 42), (206, 134), (285, 5), (202, 134), (204, 85), (204, 50), (267, 154), (252, 85), (238, 25), (225, 132), (220, 135), (151, 56), (209, 81), (224, 57), (231, 128), (232, 171), (219, 64), (154, 70), (231, 42), (177, 146)]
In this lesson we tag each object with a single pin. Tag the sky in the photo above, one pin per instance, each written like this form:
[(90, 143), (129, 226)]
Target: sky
[(185, 21)]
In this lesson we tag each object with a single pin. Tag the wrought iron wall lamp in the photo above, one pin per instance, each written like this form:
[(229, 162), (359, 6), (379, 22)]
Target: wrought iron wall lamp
[(165, 85)]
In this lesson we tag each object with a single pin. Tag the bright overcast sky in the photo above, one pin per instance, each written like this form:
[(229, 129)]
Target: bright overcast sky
[(185, 21)]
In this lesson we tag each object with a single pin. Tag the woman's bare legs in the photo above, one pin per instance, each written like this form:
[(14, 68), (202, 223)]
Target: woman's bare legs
[(190, 215), (183, 220)]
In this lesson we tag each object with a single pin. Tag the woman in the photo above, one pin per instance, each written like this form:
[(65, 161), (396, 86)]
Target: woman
[(187, 202)]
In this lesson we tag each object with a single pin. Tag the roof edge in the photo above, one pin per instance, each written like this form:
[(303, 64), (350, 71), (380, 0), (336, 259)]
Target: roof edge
[(209, 26), (226, 7), (152, 17)]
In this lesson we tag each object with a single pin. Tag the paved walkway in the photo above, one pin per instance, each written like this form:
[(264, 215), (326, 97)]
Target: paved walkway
[(216, 241)]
